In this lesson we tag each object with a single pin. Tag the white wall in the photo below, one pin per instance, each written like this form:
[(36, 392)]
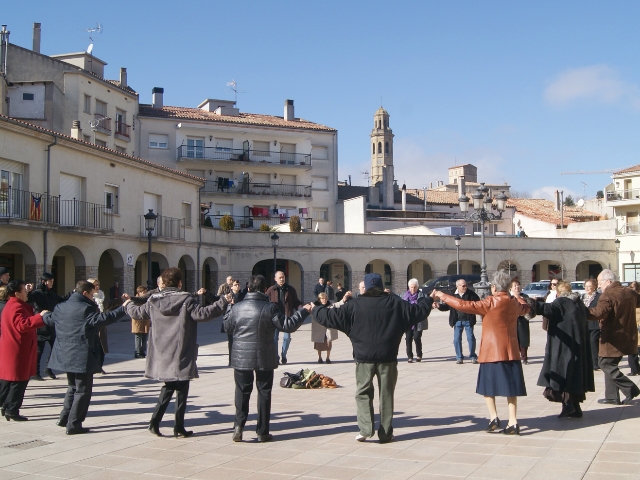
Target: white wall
[(26, 109), (355, 215)]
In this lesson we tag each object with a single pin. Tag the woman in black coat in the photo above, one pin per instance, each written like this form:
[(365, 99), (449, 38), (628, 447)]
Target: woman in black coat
[(567, 373), (524, 334), (590, 299)]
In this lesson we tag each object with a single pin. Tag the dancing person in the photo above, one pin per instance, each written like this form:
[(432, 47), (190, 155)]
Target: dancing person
[(254, 354), (76, 350), (414, 333), (590, 299), (634, 364), (500, 373), (524, 333), (323, 337), (44, 298), (140, 328), (375, 323), (616, 311), (4, 276), (286, 297), (320, 287), (18, 348), (172, 349), (98, 298), (460, 321), (567, 372)]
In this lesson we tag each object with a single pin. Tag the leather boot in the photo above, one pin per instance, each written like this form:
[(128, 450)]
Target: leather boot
[(237, 434), (179, 431), (154, 428)]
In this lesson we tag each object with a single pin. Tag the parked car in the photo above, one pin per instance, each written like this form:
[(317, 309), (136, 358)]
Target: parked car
[(447, 284), (536, 289), (578, 287)]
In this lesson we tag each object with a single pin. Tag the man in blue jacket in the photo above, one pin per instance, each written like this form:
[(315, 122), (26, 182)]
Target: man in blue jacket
[(375, 323), (76, 350)]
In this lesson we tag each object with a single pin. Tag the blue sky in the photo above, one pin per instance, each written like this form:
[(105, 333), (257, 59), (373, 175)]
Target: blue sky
[(523, 90)]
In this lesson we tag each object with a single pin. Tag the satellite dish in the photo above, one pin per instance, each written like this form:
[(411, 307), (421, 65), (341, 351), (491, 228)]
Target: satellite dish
[(90, 48), (580, 203)]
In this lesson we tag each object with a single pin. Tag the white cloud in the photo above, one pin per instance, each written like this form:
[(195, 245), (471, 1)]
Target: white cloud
[(549, 192), (597, 83)]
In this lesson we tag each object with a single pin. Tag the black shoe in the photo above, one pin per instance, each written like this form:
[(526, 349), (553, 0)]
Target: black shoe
[(388, 440), (328, 360), (16, 418), (179, 431), (567, 410), (474, 361), (320, 360), (237, 434), (137, 355), (633, 374), (418, 359), (459, 362), (61, 423), (77, 430), (512, 430), (609, 401), (154, 428), (577, 413), (525, 362), (2, 410), (50, 374), (630, 397), (103, 372), (493, 425), (265, 438), (37, 377), (283, 361)]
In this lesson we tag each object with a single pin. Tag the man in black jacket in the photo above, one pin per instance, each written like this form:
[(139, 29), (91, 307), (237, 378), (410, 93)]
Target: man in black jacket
[(252, 324), (44, 298), (460, 321), (375, 323), (76, 350)]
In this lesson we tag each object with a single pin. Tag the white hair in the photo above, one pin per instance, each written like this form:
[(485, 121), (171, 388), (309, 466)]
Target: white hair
[(413, 281), (460, 280), (501, 280), (607, 274)]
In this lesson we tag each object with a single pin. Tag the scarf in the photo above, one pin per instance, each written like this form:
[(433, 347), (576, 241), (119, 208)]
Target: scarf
[(412, 298)]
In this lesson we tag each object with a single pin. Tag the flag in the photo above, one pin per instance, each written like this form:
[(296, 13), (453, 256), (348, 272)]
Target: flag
[(35, 212)]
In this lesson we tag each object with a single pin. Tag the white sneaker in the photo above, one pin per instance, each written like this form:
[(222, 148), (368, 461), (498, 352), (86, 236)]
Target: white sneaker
[(362, 438)]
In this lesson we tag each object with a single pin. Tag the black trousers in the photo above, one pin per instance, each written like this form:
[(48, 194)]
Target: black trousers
[(244, 387), (594, 338), (166, 392), (616, 381), (414, 336), (634, 364), (77, 399), (41, 345), (12, 395)]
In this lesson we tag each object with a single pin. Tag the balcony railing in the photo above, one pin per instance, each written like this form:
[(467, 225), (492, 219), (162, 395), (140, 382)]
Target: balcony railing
[(618, 195), (166, 227), (629, 228), (256, 156), (103, 124), (123, 129), (24, 205), (76, 213), (223, 185), (254, 223)]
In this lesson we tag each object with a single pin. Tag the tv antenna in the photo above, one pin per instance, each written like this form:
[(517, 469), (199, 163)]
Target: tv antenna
[(234, 86), (366, 175), (96, 29), (584, 190)]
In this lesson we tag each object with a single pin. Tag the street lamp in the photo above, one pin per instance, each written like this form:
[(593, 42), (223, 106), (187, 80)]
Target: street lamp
[(482, 204), (274, 243), (457, 240), (617, 242), (149, 225)]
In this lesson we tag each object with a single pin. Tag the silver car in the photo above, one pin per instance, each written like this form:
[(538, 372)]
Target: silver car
[(536, 289), (577, 287)]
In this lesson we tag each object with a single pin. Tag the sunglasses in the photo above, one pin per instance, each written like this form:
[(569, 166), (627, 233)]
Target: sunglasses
[(554, 284)]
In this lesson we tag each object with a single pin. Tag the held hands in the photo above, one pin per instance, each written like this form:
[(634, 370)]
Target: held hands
[(308, 307), (228, 297), (347, 296), (44, 312), (28, 287), (126, 296), (127, 300), (202, 291)]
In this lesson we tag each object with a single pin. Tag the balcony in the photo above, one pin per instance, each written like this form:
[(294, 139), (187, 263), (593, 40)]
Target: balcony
[(186, 152), (629, 229), (254, 223), (79, 214), (631, 195), (225, 186), (123, 131), (166, 228), (30, 206), (102, 123)]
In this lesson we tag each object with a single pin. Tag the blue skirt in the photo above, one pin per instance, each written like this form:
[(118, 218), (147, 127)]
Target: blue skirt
[(501, 379)]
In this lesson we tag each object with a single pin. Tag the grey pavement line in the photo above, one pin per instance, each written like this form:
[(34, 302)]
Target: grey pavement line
[(613, 424)]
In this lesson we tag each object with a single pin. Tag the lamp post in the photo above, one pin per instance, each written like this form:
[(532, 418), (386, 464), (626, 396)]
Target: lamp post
[(149, 225), (617, 242), (482, 206), (457, 240), (274, 243)]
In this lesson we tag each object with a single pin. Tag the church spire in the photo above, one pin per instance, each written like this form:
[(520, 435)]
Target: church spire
[(381, 145)]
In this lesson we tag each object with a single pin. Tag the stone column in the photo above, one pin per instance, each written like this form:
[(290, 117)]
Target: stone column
[(82, 273), (525, 277), (190, 280), (399, 282), (33, 273), (356, 278), (128, 280), (309, 280)]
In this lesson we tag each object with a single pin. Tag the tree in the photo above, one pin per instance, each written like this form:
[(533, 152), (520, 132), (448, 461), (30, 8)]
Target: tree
[(600, 194), (568, 201)]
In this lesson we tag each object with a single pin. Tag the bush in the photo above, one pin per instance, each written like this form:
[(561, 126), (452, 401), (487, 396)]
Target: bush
[(294, 224), (208, 222), (265, 228), (227, 222)]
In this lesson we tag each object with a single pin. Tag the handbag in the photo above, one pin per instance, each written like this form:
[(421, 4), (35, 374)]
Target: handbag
[(289, 379)]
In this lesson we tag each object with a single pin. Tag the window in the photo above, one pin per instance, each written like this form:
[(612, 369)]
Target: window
[(320, 153), (224, 209), (87, 104), (100, 143), (158, 141), (631, 272), (87, 138), (321, 214), (288, 153), (320, 183), (10, 180), (224, 144), (101, 108), (379, 147), (260, 146), (121, 123), (121, 149), (28, 96), (111, 197), (186, 213), (374, 148), (386, 148), (195, 147)]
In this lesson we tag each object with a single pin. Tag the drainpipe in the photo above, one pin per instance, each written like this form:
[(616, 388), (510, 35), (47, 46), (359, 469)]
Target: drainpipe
[(48, 192), (199, 270)]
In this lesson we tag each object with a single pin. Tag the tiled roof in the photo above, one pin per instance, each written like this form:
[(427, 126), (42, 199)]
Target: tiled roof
[(105, 149), (345, 192), (635, 168), (416, 195), (200, 115), (544, 211), (127, 88)]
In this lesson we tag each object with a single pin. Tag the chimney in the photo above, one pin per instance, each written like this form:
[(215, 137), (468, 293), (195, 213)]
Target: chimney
[(36, 37), (156, 97), (461, 189), (557, 202), (76, 130), (4, 49), (288, 110), (404, 197), (123, 77)]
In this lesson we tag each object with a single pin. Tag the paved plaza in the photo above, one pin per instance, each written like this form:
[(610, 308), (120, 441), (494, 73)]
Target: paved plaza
[(438, 425)]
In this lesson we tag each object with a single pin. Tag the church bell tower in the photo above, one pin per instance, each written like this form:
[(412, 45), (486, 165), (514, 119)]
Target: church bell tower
[(381, 146)]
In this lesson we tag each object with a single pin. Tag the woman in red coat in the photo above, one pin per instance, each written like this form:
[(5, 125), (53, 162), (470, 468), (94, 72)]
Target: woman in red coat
[(18, 349)]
